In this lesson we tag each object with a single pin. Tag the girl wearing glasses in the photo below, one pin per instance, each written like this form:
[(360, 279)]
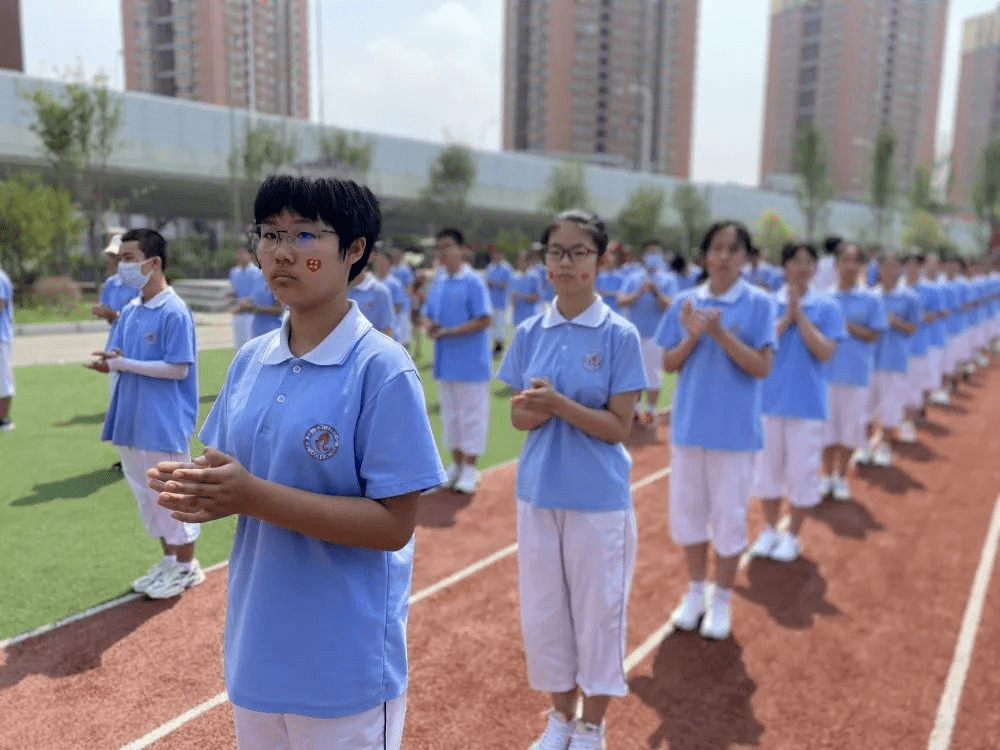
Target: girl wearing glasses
[(576, 373), (319, 443)]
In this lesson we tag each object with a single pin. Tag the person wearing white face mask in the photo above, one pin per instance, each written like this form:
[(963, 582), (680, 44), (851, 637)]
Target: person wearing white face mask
[(154, 403)]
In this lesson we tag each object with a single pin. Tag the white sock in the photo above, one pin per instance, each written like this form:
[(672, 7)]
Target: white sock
[(185, 566), (696, 588), (651, 408), (171, 560), (721, 596)]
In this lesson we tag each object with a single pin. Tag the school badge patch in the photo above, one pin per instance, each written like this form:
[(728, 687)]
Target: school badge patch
[(592, 362), (150, 338), (321, 442)]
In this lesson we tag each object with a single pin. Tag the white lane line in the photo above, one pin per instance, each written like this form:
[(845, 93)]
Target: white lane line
[(944, 723), (176, 723)]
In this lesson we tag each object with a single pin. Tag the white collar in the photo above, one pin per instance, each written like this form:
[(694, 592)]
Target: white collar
[(732, 294), (158, 300), (461, 273), (333, 350), (595, 314), (366, 284)]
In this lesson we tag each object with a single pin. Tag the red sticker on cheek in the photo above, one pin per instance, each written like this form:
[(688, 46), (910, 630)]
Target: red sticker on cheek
[(313, 264), (586, 276)]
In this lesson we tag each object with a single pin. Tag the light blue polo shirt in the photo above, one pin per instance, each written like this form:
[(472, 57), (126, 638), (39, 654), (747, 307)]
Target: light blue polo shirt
[(262, 295), (950, 299), (645, 313), (920, 341), (762, 276), (400, 300), (717, 404), (932, 299), (607, 284), (244, 280), (892, 352), (525, 283), (797, 384), (452, 301), (154, 414), (548, 291), (375, 302), (853, 362), (499, 273), (116, 295), (7, 314), (404, 274), (588, 359), (315, 628)]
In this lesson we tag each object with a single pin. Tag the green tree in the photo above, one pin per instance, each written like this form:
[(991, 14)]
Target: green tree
[(921, 195), (694, 214), (511, 242), (772, 233), (882, 192), (923, 230), (567, 188), (986, 188), (263, 148), (639, 218), (813, 169), (449, 181), (349, 154), (32, 215)]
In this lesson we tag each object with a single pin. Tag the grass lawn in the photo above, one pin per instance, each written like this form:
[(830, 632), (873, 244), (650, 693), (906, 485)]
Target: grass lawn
[(69, 530), (80, 311)]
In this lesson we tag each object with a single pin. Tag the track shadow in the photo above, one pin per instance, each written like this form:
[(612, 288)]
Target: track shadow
[(79, 646), (438, 508), (849, 519), (934, 429), (702, 693), (83, 419), (504, 392), (74, 488), (208, 399), (434, 408), (914, 452), (793, 593), (891, 479), (953, 408)]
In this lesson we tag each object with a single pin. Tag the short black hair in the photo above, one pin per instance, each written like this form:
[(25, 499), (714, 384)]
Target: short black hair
[(587, 221), (679, 264), (452, 234), (741, 232), (831, 243), (350, 209), (151, 243), (790, 250), (862, 255)]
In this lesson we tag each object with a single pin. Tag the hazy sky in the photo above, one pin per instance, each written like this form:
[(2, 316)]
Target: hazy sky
[(430, 69)]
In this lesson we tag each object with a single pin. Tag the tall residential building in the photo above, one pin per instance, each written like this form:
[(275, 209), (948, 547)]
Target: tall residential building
[(602, 79), (977, 111), (852, 67), (252, 54), (11, 54)]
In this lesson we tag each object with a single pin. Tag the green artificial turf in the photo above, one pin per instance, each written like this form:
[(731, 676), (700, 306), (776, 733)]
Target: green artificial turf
[(43, 314), (69, 530)]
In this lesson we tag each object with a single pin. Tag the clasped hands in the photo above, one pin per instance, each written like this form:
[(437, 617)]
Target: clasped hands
[(541, 397), (212, 486), (697, 322)]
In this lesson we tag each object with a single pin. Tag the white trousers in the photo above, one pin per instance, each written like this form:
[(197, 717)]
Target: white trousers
[(405, 326), (6, 369), (379, 728), (465, 415), (498, 325), (241, 329), (888, 396), (790, 462), (848, 416), (652, 363), (935, 356), (574, 575), (709, 494), (155, 518), (918, 376)]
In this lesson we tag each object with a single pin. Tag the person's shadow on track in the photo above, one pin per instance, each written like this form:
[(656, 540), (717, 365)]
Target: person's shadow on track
[(793, 593), (891, 479), (934, 429), (702, 693), (438, 509), (849, 519), (79, 646), (73, 488), (914, 452)]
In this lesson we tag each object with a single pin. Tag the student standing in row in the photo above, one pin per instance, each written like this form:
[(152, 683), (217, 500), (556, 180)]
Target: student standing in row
[(576, 374), (154, 404), (525, 290), (921, 363), (458, 316), (850, 370), (609, 279), (795, 404), (6, 351), (319, 442), (382, 263), (243, 278), (498, 276), (404, 274), (720, 338), (374, 300), (264, 309)]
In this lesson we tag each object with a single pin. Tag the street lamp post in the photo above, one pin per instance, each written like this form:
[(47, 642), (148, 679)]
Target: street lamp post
[(647, 122)]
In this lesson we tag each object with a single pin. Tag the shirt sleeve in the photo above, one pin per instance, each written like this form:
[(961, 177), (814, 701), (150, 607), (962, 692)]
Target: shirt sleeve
[(877, 318), (386, 313), (479, 299), (668, 333), (915, 310), (511, 369), (831, 323), (395, 446), (178, 338), (213, 433), (627, 371), (765, 332), (105, 293)]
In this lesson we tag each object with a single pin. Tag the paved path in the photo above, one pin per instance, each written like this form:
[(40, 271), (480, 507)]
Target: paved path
[(214, 331)]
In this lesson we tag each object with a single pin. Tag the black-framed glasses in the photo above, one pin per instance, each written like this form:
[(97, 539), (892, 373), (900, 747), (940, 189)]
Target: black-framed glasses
[(266, 240), (576, 253)]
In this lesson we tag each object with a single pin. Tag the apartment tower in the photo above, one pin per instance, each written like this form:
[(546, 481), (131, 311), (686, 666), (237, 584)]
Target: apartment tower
[(611, 81), (251, 54), (11, 54), (977, 111), (853, 67)]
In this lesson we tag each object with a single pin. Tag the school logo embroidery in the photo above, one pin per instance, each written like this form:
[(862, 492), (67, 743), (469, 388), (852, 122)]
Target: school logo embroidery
[(321, 442), (592, 362), (150, 337)]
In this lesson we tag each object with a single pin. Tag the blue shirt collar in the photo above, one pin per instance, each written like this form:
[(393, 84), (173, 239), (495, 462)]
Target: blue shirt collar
[(733, 294), (333, 350), (592, 317)]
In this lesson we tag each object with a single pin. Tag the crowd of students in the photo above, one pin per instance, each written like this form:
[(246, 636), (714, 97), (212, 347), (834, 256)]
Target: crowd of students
[(319, 441)]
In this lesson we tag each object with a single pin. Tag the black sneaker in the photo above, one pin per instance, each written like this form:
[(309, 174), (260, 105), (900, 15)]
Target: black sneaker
[(117, 466)]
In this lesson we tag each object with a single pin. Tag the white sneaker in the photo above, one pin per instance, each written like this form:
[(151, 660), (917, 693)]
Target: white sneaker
[(825, 485), (176, 581), (983, 360), (452, 476), (863, 455), (6, 425), (907, 432), (715, 625), (556, 735), (587, 737), (940, 397), (468, 480), (787, 549), (689, 611), (765, 543), (840, 489), (147, 579), (882, 455)]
